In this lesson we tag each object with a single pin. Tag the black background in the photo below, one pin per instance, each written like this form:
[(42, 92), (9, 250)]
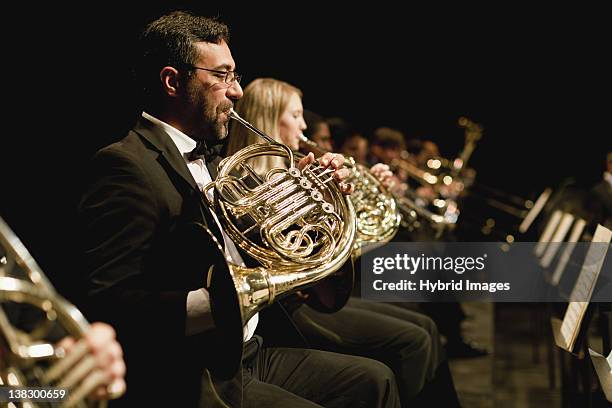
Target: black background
[(535, 79)]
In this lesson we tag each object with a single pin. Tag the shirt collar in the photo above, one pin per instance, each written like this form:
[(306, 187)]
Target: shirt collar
[(184, 143)]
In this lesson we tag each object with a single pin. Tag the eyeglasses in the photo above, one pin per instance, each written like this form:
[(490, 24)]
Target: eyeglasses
[(229, 77)]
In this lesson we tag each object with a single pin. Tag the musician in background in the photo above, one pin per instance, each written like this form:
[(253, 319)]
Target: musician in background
[(318, 131), (356, 146), (422, 150), (387, 145), (146, 277), (406, 341)]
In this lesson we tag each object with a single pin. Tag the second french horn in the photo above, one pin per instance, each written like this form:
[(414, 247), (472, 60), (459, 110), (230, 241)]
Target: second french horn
[(378, 216)]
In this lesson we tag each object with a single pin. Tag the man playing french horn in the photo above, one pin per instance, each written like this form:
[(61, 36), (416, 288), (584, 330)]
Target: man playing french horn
[(152, 247)]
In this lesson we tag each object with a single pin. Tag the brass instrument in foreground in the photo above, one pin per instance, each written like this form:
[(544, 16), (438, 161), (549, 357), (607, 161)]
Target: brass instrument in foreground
[(296, 223), (29, 356), (376, 210)]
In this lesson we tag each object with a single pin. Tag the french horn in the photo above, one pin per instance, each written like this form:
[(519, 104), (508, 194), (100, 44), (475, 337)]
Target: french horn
[(377, 213), (33, 318), (296, 223)]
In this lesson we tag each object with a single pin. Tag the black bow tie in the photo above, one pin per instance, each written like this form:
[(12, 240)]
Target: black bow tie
[(202, 151)]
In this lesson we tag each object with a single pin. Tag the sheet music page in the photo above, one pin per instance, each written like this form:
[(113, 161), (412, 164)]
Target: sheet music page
[(603, 369), (585, 284), (571, 322)]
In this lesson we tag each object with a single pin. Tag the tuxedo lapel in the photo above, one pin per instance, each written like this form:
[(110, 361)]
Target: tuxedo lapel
[(166, 148), (170, 154)]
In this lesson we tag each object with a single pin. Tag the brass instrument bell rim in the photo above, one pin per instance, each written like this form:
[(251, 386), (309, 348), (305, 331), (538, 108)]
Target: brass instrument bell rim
[(224, 303)]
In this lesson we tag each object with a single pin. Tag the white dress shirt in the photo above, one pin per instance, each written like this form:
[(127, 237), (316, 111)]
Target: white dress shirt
[(199, 316)]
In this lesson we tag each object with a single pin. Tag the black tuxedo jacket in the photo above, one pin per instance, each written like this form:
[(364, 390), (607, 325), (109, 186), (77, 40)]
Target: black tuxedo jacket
[(139, 195), (139, 269)]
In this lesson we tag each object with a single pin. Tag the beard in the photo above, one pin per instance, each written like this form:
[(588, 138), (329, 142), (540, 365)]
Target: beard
[(207, 121)]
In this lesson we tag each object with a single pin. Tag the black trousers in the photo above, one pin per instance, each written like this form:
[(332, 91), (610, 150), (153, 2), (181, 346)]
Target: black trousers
[(293, 377), (406, 341), (447, 316)]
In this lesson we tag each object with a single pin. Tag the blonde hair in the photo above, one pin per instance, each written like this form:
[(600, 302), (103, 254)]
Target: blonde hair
[(263, 103)]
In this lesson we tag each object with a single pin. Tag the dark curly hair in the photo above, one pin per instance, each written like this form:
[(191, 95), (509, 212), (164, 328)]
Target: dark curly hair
[(169, 41)]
